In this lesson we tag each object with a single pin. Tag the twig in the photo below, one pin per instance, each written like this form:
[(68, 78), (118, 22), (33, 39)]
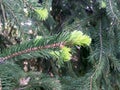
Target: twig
[(100, 57), (3, 12), (59, 44), (12, 14)]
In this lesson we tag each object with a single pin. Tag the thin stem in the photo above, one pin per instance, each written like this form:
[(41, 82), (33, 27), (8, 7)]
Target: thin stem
[(2, 59), (14, 16), (3, 12), (100, 57)]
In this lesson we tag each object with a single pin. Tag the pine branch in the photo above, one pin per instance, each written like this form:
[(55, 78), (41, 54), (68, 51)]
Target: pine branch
[(112, 9), (32, 47), (3, 12), (100, 57), (38, 47), (32, 50), (9, 75)]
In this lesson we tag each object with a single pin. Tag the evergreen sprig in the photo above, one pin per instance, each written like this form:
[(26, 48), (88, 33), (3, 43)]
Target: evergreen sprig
[(42, 46)]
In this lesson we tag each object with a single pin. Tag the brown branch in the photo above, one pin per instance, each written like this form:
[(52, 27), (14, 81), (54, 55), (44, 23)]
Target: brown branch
[(14, 16), (3, 12), (100, 57), (59, 44)]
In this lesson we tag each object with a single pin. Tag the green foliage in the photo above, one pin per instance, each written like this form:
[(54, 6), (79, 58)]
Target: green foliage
[(103, 4), (63, 54), (35, 48), (42, 13), (112, 9), (10, 75), (78, 38), (81, 83), (40, 81), (36, 38)]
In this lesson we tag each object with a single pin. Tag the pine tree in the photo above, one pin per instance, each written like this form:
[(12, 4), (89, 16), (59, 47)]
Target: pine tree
[(59, 45)]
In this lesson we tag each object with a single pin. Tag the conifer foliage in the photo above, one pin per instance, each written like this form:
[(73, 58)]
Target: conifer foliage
[(59, 45)]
